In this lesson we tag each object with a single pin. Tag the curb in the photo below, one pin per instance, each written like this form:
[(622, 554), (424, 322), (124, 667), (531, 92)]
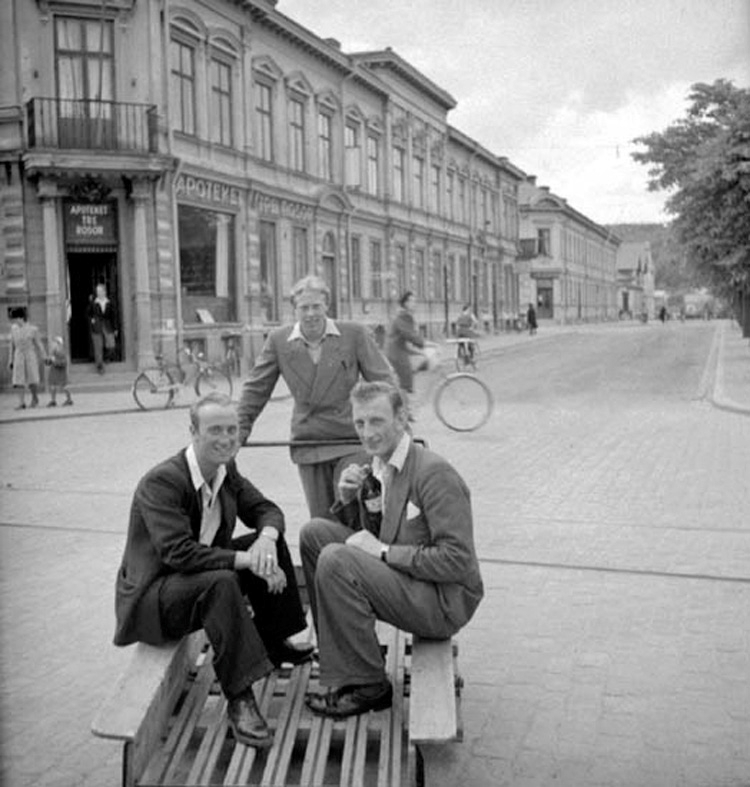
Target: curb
[(718, 397)]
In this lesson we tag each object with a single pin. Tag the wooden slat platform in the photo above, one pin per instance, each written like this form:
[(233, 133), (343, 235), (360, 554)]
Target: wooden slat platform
[(372, 749)]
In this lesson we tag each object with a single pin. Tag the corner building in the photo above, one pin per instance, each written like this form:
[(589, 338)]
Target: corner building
[(199, 157)]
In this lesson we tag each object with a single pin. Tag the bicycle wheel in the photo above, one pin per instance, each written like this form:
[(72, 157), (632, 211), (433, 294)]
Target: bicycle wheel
[(463, 402), (153, 388), (212, 380)]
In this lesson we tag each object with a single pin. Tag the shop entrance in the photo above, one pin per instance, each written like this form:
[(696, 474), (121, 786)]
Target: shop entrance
[(85, 271)]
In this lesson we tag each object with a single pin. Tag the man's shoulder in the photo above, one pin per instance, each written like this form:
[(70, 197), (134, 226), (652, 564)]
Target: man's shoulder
[(349, 328), (172, 469)]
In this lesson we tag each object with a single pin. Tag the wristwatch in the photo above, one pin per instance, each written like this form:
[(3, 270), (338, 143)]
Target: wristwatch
[(384, 554)]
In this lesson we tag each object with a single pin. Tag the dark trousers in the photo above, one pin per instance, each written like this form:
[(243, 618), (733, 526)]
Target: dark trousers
[(217, 601), (97, 342)]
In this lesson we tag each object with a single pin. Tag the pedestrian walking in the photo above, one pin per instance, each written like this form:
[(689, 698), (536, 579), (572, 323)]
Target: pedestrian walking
[(102, 327), (26, 354), (57, 378), (466, 328), (531, 319), (401, 340)]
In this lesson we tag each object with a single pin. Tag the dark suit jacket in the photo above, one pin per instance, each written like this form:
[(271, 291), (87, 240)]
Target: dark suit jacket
[(428, 524), (163, 533), (321, 392), (101, 320)]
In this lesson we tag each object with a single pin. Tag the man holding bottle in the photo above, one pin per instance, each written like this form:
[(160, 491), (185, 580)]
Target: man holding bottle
[(416, 568)]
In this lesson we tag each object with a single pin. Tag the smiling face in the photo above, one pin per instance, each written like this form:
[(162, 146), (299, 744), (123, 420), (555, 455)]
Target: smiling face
[(310, 309), (215, 437), (379, 428)]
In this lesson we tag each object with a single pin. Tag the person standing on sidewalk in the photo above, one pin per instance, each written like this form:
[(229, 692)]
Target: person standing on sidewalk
[(57, 378), (531, 319), (320, 360), (416, 568), (102, 326), (182, 570), (26, 354)]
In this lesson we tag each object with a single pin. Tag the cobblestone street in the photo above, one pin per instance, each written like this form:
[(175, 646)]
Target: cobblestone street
[(611, 511)]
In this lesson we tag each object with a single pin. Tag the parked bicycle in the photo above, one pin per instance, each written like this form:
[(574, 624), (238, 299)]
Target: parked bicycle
[(159, 386), (461, 401)]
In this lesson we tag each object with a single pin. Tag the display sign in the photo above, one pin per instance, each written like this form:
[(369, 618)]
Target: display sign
[(90, 222), (206, 191)]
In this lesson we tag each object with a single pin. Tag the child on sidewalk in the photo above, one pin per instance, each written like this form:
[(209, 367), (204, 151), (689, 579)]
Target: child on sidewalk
[(58, 372)]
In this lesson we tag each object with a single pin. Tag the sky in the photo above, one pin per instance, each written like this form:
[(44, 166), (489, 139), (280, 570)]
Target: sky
[(560, 87)]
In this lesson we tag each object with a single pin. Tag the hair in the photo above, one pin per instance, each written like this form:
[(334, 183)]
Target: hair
[(364, 392), (404, 298), (17, 313), (215, 397), (311, 283)]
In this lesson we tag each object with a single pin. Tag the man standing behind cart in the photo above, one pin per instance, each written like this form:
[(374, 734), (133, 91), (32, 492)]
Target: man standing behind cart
[(320, 360)]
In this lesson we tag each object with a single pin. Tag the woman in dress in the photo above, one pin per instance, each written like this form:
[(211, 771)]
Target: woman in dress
[(26, 353)]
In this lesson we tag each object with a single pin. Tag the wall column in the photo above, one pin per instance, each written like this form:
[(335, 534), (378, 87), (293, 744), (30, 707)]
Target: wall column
[(49, 196), (140, 196)]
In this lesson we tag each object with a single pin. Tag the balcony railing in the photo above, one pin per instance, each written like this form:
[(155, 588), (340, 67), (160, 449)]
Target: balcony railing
[(86, 124)]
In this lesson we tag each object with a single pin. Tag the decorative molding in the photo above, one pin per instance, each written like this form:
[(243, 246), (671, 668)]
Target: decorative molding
[(89, 189), (224, 41), (327, 99), (265, 65), (299, 83)]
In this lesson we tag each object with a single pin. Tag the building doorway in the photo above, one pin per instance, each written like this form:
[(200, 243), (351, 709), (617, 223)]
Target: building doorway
[(544, 301), (85, 271)]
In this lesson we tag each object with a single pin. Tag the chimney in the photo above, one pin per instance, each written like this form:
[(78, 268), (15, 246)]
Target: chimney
[(334, 43), (531, 180)]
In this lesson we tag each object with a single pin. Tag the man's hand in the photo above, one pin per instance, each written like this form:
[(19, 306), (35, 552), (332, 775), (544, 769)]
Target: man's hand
[(350, 481), (367, 542), (276, 582), (260, 558)]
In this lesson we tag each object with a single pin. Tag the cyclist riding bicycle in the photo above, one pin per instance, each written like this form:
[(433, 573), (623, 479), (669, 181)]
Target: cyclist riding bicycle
[(466, 328)]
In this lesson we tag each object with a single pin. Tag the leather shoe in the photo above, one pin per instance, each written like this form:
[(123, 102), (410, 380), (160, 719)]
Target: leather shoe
[(351, 700), (247, 723), (289, 653)]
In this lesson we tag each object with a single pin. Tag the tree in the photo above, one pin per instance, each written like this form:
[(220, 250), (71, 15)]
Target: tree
[(704, 161)]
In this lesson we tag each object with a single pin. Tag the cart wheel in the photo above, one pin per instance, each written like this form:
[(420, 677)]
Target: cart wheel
[(463, 402)]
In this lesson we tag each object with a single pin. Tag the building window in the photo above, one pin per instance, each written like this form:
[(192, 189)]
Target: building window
[(221, 102), (269, 304), (464, 279), (264, 120), (356, 267), (85, 59), (299, 253), (373, 165), (399, 158), (543, 238), (418, 195), (325, 146), (462, 200), (376, 269), (473, 213), (436, 277), (401, 269), (450, 183), (207, 263), (297, 135), (435, 188), (451, 277), (485, 211), (419, 273), (183, 87), (353, 154)]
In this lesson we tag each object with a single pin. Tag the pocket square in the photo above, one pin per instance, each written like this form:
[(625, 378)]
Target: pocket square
[(412, 511)]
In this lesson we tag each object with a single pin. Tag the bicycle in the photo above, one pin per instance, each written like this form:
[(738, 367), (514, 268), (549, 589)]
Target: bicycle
[(158, 386), (461, 401), (467, 352)]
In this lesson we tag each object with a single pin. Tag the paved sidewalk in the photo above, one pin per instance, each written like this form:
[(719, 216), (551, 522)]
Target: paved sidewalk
[(730, 373)]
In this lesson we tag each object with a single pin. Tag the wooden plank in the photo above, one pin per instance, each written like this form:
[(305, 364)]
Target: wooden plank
[(432, 704)]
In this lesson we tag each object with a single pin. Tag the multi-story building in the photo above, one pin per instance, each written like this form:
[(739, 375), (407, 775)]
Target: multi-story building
[(635, 279), (199, 157), (567, 263)]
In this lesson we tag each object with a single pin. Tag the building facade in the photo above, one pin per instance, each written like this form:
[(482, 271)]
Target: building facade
[(199, 157), (567, 264), (635, 280)]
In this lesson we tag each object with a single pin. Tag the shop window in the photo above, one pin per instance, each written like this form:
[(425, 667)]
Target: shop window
[(269, 279), (207, 267)]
